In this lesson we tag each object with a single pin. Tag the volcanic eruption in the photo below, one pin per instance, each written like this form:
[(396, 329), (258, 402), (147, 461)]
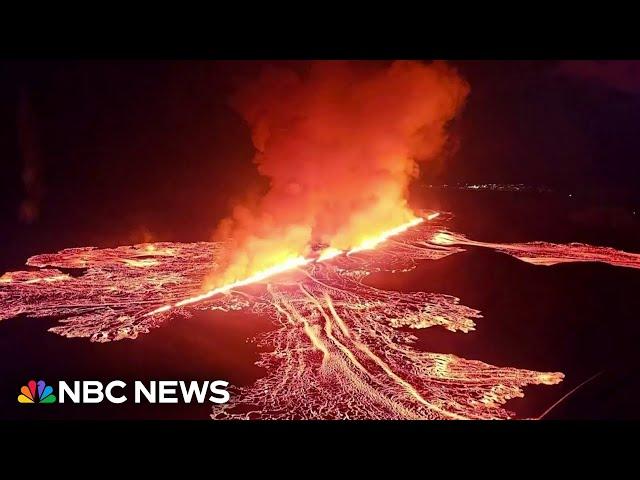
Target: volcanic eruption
[(339, 143)]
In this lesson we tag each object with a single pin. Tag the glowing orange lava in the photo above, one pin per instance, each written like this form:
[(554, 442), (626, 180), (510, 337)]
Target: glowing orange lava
[(287, 265), (373, 242), (339, 349), (280, 268)]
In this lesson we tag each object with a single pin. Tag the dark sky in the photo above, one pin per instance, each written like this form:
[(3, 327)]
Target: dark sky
[(119, 151), (554, 123)]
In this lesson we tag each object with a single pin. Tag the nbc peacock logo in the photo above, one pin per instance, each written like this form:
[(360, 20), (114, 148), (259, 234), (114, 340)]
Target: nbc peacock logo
[(38, 392)]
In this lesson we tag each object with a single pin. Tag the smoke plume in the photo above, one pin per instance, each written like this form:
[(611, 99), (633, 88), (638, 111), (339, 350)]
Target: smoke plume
[(339, 144)]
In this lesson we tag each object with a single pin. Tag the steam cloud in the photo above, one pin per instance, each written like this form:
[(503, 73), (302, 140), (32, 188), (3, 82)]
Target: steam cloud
[(340, 144)]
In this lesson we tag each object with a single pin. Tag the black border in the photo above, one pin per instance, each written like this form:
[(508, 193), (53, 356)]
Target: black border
[(513, 448), (322, 33)]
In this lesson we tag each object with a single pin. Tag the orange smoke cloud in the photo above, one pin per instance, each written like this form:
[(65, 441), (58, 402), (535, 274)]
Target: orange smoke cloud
[(340, 144)]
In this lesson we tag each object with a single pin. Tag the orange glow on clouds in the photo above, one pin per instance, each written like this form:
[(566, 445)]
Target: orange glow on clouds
[(339, 143)]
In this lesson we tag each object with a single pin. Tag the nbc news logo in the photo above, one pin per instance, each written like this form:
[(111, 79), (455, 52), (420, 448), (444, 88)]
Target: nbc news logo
[(93, 391), (36, 392)]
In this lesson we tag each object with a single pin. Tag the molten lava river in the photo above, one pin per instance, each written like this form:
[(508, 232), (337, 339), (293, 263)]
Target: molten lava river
[(339, 349)]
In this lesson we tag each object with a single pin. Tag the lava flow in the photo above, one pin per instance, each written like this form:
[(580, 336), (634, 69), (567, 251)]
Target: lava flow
[(545, 253), (292, 263), (339, 348)]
